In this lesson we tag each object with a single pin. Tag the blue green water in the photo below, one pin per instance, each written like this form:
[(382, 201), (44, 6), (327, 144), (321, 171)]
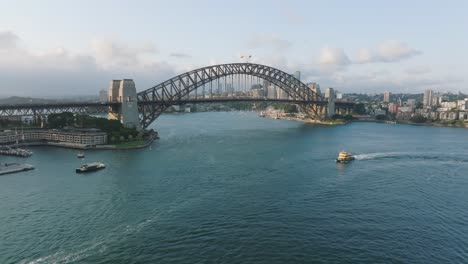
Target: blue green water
[(236, 188)]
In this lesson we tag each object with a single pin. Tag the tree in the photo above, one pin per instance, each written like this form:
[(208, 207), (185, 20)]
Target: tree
[(360, 109), (60, 120), (380, 117), (418, 119)]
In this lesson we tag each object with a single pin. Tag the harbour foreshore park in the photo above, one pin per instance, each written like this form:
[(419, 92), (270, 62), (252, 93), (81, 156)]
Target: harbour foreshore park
[(119, 130)]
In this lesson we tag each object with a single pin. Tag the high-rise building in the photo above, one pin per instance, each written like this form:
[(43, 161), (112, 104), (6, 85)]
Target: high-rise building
[(315, 87), (329, 93), (386, 97), (103, 96), (339, 95), (297, 75), (271, 92), (427, 100), (393, 108), (281, 94)]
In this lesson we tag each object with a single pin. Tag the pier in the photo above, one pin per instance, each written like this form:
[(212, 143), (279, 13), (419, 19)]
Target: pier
[(15, 152), (14, 167)]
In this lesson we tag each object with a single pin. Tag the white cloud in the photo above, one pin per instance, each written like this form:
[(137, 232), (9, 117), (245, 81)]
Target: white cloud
[(180, 55), (8, 40), (62, 72), (418, 70), (268, 41), (111, 53), (333, 58), (389, 51)]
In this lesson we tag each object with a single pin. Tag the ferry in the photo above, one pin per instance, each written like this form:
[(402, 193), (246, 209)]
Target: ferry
[(80, 155), (344, 157), (91, 167)]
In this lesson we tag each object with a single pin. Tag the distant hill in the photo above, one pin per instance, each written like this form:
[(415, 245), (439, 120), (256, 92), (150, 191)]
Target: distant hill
[(31, 100)]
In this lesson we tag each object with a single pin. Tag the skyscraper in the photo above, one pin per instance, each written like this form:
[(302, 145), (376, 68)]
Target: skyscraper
[(271, 92), (427, 100), (297, 75), (315, 87), (386, 97), (281, 94)]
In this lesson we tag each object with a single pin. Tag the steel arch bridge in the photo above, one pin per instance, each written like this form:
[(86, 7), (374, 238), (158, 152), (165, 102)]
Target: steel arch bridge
[(190, 87), (185, 88)]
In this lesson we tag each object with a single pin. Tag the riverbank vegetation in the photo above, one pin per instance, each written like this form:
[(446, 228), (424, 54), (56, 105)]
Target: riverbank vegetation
[(116, 132)]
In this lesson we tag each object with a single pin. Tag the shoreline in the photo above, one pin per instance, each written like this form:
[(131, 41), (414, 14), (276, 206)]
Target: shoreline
[(402, 122), (85, 147), (344, 122)]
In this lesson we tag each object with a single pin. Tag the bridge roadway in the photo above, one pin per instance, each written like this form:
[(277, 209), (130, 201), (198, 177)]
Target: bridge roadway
[(103, 107)]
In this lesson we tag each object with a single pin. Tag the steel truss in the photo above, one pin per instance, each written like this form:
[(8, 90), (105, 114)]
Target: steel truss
[(174, 91)]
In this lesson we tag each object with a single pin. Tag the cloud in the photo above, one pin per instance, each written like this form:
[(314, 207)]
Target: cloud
[(418, 70), (8, 40), (333, 58), (109, 53), (389, 51), (59, 71), (180, 55), (268, 41)]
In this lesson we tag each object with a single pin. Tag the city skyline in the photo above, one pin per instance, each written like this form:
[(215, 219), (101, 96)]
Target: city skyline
[(77, 48)]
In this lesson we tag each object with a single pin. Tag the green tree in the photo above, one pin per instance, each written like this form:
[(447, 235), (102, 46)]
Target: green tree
[(360, 109), (380, 117), (418, 119)]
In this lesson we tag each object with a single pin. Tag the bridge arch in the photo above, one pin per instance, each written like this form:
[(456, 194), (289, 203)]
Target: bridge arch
[(172, 91)]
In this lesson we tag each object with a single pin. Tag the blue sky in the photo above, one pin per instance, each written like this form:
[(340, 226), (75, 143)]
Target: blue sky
[(77, 47)]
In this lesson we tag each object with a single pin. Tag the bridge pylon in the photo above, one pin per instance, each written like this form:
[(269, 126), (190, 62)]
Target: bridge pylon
[(124, 93)]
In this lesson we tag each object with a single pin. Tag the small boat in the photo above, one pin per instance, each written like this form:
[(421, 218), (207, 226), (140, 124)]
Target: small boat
[(80, 155), (91, 167), (344, 157)]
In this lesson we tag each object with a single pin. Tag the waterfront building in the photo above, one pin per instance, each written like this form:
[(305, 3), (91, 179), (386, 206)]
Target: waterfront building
[(70, 136), (386, 97), (462, 104), (410, 103), (449, 116), (379, 112), (427, 100), (449, 105), (393, 108)]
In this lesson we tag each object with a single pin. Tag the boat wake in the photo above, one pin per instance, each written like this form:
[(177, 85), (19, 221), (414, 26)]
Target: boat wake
[(379, 155), (411, 155)]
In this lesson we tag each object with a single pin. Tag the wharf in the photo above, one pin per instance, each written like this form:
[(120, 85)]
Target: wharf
[(15, 152), (7, 168)]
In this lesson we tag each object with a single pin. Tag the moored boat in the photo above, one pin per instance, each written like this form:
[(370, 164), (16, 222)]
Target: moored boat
[(344, 157), (91, 167), (80, 155)]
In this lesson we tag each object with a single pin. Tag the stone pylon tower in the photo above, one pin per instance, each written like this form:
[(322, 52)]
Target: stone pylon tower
[(330, 95), (124, 92)]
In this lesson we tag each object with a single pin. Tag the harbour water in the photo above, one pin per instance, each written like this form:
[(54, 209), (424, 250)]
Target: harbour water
[(236, 188)]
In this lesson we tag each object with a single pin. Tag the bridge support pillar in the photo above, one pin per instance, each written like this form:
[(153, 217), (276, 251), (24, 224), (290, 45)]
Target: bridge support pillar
[(124, 92), (330, 95)]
